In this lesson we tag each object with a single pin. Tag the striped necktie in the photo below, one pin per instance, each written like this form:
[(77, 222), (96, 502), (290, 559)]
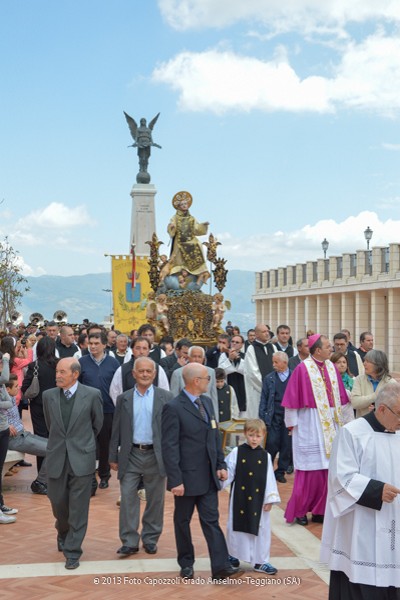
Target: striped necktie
[(201, 408), (67, 394)]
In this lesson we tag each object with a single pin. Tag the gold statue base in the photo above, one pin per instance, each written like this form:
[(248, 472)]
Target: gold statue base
[(189, 315)]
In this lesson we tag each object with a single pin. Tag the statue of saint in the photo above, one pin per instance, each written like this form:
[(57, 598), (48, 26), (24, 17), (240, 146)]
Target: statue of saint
[(143, 138), (186, 261)]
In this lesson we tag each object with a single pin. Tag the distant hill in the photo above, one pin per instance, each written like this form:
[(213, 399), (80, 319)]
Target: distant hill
[(83, 296)]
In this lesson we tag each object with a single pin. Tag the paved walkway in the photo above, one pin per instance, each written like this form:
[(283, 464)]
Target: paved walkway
[(31, 566)]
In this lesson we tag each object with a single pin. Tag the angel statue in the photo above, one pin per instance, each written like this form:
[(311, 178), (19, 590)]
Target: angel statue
[(143, 142), (219, 306)]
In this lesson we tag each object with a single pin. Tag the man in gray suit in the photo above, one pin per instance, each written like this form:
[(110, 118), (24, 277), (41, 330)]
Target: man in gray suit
[(74, 417), (196, 354), (135, 452)]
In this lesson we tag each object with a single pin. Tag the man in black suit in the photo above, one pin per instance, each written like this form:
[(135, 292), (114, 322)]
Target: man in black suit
[(303, 352), (194, 463), (354, 360), (177, 359), (214, 353), (74, 416)]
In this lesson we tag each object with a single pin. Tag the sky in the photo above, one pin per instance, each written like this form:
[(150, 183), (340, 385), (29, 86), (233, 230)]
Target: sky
[(280, 117)]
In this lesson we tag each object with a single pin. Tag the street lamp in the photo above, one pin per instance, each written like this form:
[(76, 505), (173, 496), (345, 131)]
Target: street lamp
[(368, 235), (325, 246), (111, 308)]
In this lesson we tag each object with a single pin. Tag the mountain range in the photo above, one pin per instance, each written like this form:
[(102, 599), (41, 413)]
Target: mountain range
[(89, 296)]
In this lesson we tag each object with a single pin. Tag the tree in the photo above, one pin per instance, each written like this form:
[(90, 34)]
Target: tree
[(12, 283)]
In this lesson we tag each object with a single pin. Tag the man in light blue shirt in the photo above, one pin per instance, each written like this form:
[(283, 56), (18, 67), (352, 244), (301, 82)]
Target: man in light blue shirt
[(135, 451)]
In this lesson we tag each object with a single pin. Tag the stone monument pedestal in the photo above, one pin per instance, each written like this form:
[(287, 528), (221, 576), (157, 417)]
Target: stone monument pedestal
[(143, 223)]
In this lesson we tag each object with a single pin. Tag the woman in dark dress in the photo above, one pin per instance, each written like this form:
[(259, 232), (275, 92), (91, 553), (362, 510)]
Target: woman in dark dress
[(46, 361)]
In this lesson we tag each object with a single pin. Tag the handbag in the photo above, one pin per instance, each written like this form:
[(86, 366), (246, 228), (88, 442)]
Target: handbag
[(33, 390)]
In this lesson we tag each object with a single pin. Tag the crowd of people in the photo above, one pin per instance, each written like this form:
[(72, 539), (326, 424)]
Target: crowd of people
[(150, 412)]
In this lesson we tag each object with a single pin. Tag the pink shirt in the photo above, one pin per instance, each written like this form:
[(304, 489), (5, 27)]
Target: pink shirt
[(18, 369)]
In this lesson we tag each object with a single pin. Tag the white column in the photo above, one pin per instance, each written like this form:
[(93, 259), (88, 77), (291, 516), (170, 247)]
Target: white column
[(143, 222), (347, 319), (378, 319), (393, 328), (334, 314), (362, 310), (322, 314)]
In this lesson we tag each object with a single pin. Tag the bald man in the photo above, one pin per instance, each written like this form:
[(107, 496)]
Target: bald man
[(257, 365), (194, 463)]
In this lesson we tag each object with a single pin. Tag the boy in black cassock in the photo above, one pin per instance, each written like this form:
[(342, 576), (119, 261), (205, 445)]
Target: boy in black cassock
[(253, 492)]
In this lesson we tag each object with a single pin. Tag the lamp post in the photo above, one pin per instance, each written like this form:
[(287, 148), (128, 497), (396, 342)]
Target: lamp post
[(325, 246), (368, 235), (111, 307)]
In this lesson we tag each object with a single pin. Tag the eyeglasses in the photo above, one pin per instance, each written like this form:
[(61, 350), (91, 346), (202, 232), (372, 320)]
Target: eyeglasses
[(208, 377), (392, 411)]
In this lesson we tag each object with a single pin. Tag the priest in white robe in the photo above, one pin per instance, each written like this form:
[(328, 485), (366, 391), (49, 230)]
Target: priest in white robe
[(257, 365), (361, 536)]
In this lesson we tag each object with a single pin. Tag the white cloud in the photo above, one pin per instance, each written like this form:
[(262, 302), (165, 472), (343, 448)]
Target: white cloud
[(55, 216), (366, 77), (5, 215), (25, 238), (220, 81), (389, 203), (277, 15), (393, 147), (29, 271), (279, 248)]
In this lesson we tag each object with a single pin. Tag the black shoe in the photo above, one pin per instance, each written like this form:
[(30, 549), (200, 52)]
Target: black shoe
[(280, 478), (71, 563), (317, 518), (235, 562), (302, 521), (60, 543), (150, 548), (127, 550), (229, 572), (290, 470), (23, 463), (103, 485), (39, 488), (187, 573)]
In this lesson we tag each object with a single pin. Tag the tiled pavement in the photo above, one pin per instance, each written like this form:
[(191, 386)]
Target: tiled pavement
[(31, 566)]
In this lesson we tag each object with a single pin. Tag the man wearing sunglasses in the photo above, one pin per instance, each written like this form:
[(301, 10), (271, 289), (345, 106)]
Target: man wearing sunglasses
[(194, 463)]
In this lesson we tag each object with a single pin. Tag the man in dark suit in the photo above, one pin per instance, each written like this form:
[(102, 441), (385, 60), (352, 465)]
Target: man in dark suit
[(303, 352), (354, 360), (194, 463), (74, 417), (214, 353), (137, 419), (177, 359)]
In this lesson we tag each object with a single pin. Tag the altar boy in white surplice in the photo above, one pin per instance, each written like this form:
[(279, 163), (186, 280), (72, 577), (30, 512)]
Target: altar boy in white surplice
[(253, 493), (361, 536)]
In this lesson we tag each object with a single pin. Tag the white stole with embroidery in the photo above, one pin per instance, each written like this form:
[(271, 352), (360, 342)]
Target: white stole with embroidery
[(322, 402)]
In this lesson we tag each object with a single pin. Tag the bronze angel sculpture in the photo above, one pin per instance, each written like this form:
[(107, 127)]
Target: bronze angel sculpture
[(143, 139)]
